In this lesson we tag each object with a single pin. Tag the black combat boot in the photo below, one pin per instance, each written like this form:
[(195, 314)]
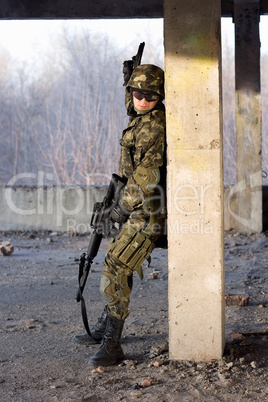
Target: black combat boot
[(97, 332), (110, 352)]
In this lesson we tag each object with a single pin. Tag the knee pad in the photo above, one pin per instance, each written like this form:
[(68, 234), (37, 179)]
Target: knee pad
[(115, 287)]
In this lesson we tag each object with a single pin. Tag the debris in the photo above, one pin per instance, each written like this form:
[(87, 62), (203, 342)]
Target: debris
[(153, 275), (148, 382), (254, 364), (53, 234), (229, 365), (159, 348), (130, 363), (30, 236), (6, 248), (99, 369), (237, 337), (158, 363), (236, 300)]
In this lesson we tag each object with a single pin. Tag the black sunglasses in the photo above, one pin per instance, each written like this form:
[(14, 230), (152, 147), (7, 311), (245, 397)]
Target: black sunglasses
[(147, 97)]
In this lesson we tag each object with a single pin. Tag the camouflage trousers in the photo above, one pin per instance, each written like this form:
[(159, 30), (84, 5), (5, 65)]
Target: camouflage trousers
[(125, 255)]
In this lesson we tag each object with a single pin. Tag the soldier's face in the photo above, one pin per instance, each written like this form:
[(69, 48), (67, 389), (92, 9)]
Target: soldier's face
[(143, 104)]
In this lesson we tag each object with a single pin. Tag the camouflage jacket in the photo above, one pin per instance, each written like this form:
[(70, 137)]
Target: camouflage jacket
[(142, 158)]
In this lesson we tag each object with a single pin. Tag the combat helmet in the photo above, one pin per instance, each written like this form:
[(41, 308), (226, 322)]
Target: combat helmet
[(147, 77)]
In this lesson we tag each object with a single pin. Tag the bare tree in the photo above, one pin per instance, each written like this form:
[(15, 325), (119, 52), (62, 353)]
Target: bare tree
[(66, 119), (84, 113)]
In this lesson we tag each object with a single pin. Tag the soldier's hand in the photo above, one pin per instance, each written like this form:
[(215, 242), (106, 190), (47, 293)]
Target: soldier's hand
[(119, 215), (127, 70)]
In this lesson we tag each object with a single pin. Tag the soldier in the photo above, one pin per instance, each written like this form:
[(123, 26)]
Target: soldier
[(142, 161)]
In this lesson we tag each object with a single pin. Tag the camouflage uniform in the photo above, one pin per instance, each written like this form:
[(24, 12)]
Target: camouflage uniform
[(142, 162)]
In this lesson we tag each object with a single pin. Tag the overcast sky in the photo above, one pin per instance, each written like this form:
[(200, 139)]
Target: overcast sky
[(24, 38)]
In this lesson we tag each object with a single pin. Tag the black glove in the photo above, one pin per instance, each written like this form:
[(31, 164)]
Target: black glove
[(119, 215), (127, 71)]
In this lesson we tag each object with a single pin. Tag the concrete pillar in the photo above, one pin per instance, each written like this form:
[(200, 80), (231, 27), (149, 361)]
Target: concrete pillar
[(248, 191), (195, 179)]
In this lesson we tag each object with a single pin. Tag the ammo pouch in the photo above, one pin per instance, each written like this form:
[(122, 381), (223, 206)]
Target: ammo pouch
[(132, 248)]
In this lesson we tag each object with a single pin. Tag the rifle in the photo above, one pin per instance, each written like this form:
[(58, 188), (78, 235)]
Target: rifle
[(129, 65), (106, 215)]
